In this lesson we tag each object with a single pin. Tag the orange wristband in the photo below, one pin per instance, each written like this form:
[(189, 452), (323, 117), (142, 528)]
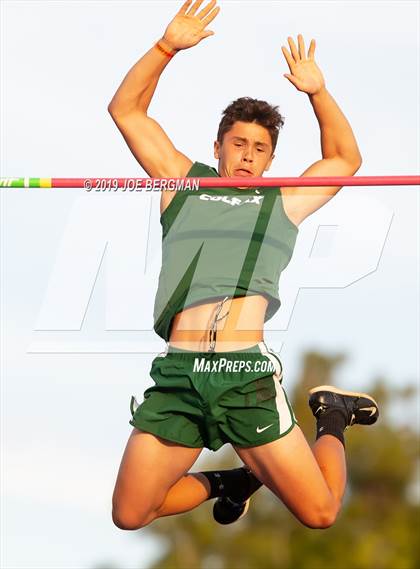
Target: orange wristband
[(164, 51)]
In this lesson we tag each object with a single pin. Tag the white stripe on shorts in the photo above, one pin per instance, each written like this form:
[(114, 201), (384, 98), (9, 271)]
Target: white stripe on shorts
[(277, 366), (283, 409)]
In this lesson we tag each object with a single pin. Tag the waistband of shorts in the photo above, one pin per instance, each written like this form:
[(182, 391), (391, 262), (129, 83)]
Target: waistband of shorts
[(258, 349)]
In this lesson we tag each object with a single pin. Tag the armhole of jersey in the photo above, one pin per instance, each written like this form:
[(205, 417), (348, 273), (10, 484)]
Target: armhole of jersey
[(171, 204), (196, 171), (293, 225)]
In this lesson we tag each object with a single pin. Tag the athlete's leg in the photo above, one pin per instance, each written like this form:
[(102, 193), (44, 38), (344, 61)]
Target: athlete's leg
[(189, 492), (152, 481), (310, 483), (330, 456)]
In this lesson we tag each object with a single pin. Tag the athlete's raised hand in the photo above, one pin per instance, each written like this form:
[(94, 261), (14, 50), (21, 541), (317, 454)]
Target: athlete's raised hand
[(304, 72), (188, 27)]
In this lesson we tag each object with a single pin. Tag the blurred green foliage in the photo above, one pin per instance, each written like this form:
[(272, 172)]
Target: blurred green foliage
[(379, 524)]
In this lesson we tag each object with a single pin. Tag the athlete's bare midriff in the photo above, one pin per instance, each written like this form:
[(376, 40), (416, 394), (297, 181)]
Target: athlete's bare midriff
[(242, 327)]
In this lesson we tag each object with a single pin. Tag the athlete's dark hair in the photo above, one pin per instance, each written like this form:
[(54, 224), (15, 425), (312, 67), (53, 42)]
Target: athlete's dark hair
[(247, 109)]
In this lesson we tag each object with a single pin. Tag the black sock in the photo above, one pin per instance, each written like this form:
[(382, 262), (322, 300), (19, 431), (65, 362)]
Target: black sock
[(238, 483), (332, 423)]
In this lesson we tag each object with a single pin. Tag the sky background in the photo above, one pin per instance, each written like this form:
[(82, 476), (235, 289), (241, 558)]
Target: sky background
[(66, 383)]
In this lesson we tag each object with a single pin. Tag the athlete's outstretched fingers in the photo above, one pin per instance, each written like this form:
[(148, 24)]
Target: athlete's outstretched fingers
[(301, 43), (184, 7), (311, 50), (195, 7), (211, 16), (289, 58), (150, 466), (206, 9), (293, 49), (288, 467)]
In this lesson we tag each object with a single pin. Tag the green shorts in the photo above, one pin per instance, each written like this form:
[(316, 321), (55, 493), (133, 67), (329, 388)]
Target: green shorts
[(207, 399)]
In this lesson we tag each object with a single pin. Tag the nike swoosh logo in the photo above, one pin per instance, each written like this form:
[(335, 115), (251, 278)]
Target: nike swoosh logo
[(261, 429), (371, 409)]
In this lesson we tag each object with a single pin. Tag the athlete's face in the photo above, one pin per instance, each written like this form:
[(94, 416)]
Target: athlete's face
[(246, 150)]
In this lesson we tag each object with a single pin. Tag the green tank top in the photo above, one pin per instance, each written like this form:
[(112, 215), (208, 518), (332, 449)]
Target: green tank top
[(219, 242)]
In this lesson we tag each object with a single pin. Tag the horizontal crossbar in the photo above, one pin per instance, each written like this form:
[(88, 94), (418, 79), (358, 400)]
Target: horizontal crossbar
[(211, 182)]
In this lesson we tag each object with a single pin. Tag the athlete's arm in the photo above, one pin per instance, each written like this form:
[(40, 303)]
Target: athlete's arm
[(145, 137), (340, 153)]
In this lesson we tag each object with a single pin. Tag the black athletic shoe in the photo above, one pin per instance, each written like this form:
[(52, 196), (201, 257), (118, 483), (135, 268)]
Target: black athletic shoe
[(358, 408), (226, 510)]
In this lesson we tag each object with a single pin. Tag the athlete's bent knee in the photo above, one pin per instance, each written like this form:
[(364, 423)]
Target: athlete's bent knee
[(320, 520), (129, 521), (321, 514)]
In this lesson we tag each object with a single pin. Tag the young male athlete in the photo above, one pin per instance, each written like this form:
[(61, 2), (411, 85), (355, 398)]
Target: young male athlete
[(223, 251)]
